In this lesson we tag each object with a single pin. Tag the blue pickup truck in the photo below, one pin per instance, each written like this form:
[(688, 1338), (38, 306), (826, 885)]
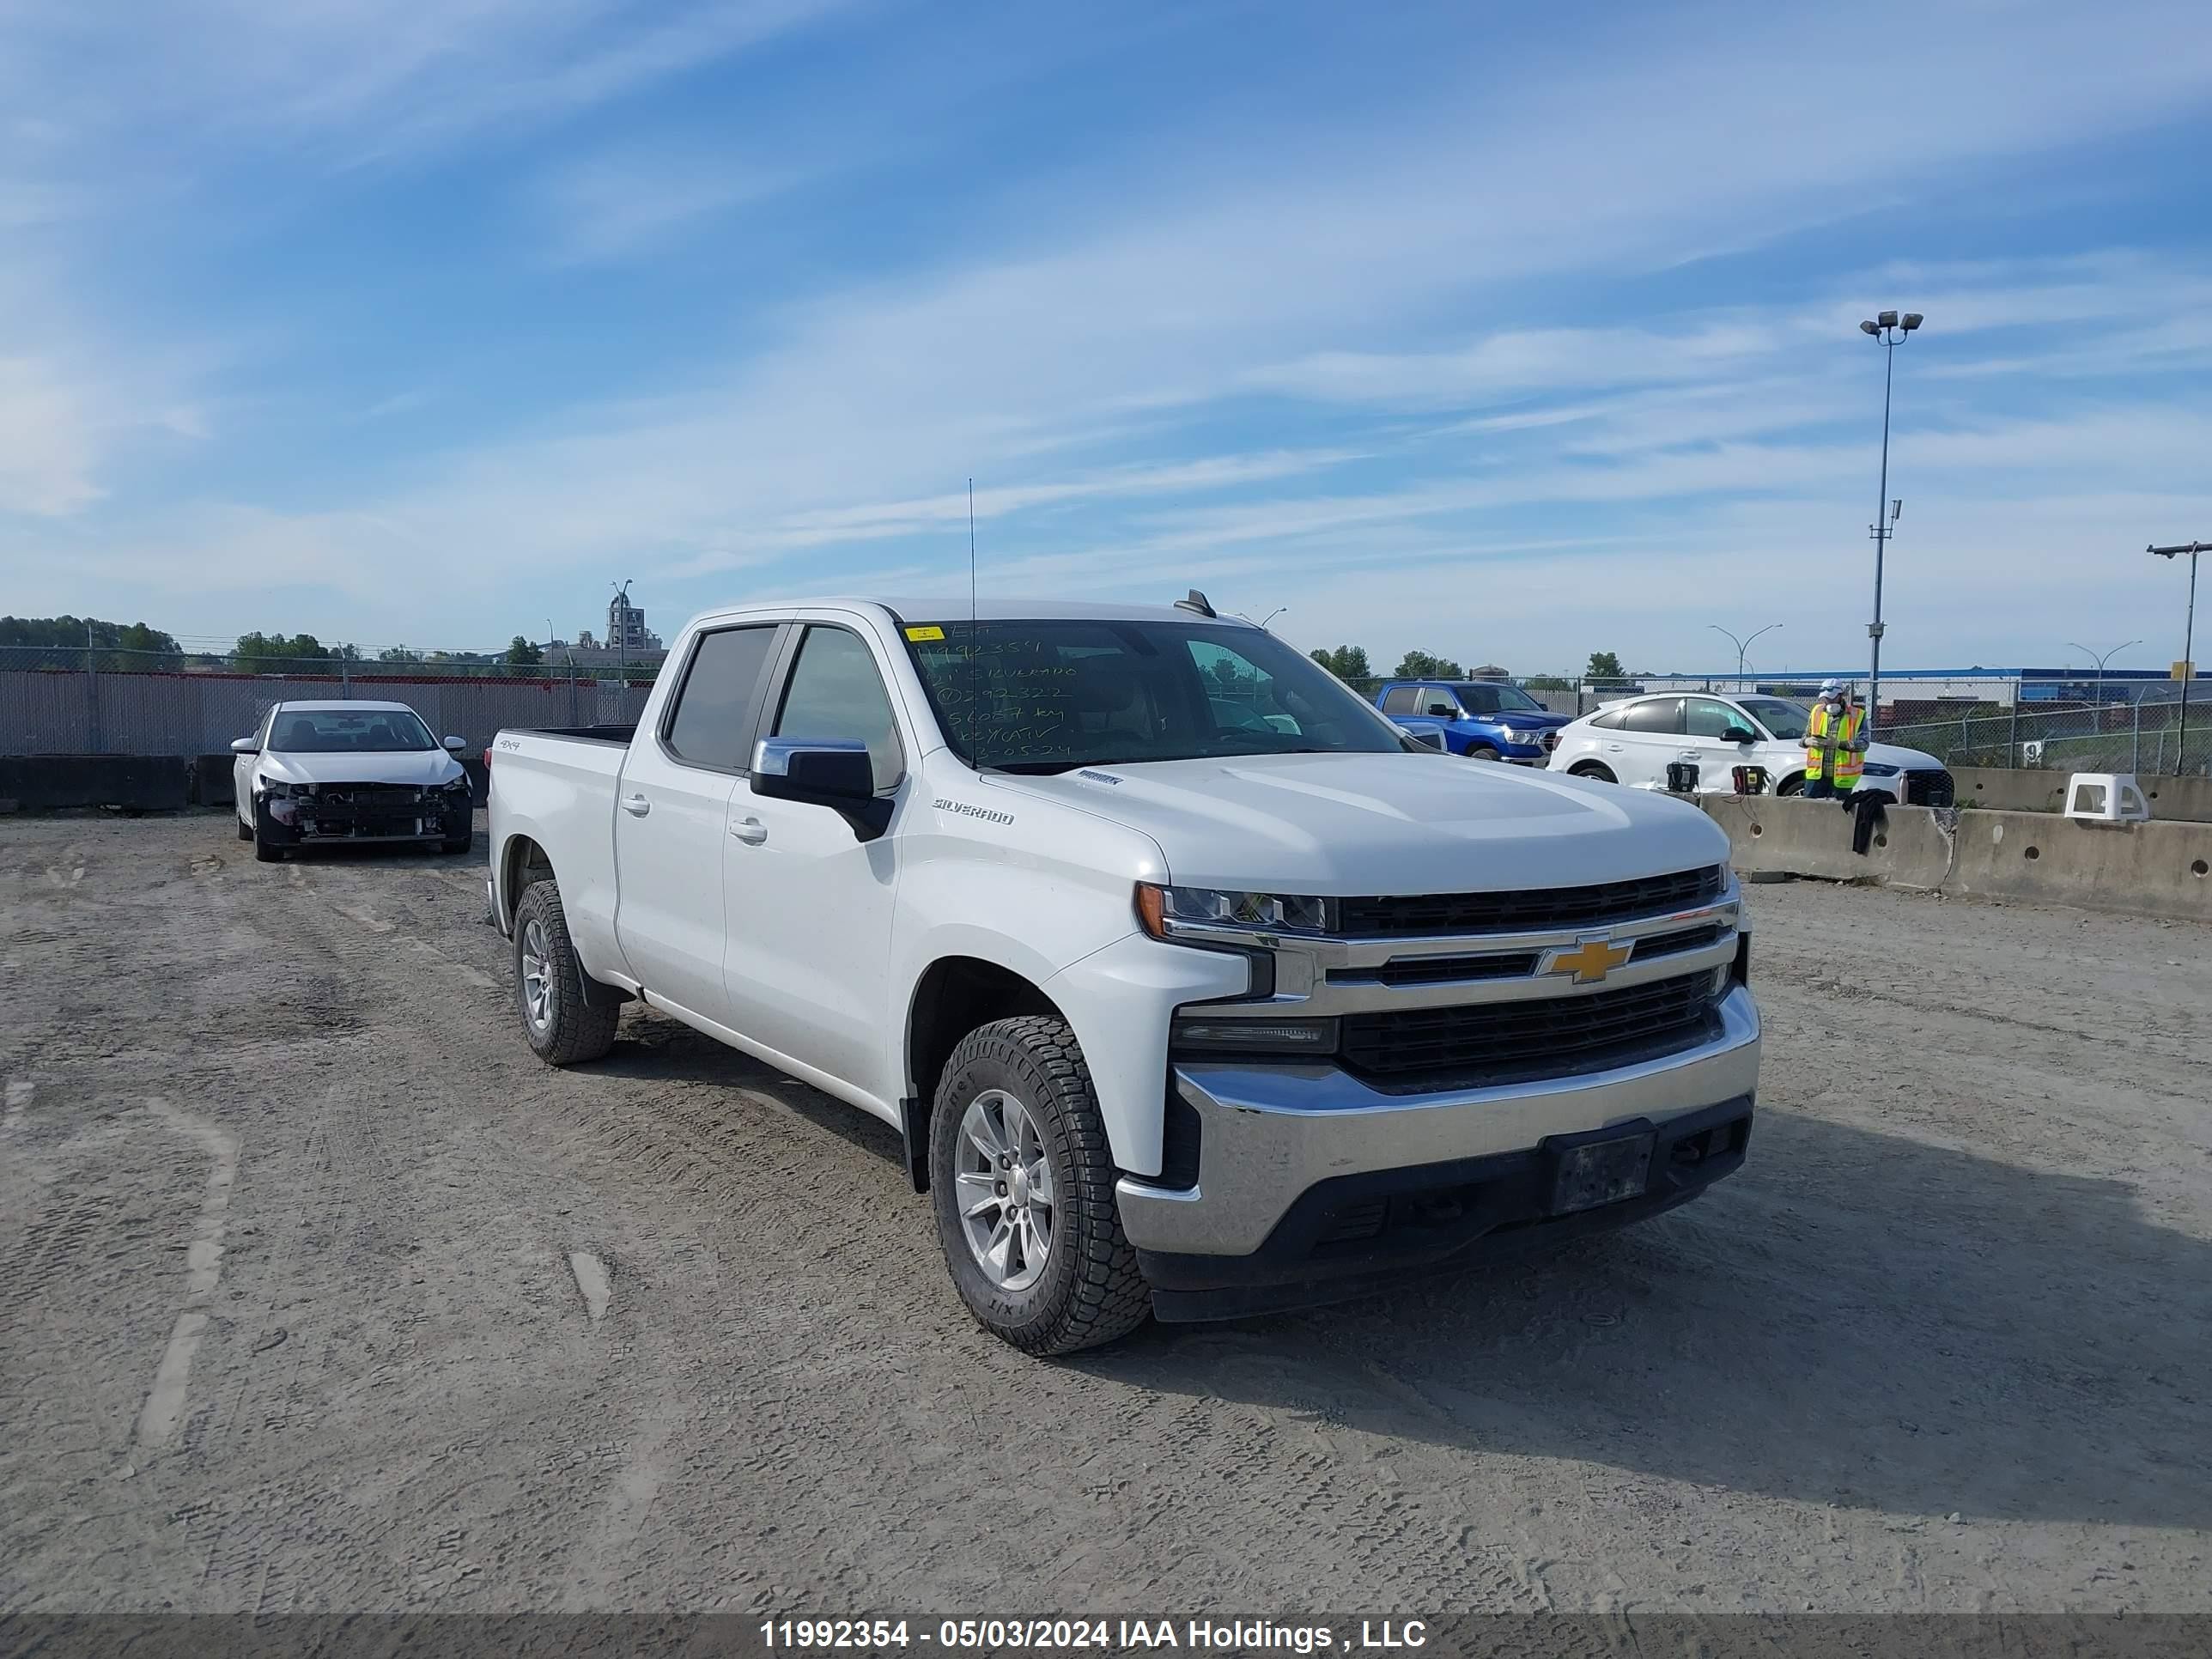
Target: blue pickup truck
[(1483, 720)]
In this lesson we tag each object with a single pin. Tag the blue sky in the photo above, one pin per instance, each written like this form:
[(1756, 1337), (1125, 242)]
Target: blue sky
[(1504, 331)]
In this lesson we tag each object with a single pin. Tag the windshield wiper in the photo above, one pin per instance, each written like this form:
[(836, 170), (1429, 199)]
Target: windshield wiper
[(1037, 768)]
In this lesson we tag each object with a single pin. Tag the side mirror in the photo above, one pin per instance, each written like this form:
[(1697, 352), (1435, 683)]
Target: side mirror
[(832, 772), (243, 746), (454, 746), (1739, 734)]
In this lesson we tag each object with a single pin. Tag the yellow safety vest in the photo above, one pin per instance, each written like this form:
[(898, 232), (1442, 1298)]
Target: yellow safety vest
[(1832, 748)]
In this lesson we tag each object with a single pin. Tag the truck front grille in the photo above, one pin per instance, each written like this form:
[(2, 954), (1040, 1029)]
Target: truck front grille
[(1529, 910), (1493, 1043)]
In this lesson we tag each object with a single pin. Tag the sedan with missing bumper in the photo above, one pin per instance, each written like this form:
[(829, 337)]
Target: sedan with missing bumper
[(318, 773)]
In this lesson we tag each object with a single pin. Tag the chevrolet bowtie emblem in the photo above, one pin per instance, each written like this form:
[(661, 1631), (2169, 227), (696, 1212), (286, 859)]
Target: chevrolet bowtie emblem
[(1590, 960)]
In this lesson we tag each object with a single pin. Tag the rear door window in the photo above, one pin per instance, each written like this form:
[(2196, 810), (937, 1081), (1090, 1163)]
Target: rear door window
[(1401, 700), (1654, 715), (712, 722)]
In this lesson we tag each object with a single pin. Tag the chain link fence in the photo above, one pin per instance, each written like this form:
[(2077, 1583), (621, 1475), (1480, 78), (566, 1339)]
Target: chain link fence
[(2137, 727), (103, 702)]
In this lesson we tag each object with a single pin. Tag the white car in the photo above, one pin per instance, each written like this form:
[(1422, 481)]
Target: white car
[(1633, 743), (1185, 1003), (316, 772)]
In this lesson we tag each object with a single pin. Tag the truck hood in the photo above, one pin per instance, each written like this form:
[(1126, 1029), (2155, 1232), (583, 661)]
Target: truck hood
[(1524, 720), (1342, 824), (416, 766)]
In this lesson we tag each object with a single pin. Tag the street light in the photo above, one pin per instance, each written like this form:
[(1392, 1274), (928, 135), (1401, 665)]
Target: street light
[(2188, 634), (1890, 330), (2097, 695), (1741, 646)]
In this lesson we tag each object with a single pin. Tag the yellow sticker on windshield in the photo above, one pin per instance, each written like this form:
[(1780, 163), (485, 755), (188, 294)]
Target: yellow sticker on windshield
[(918, 635)]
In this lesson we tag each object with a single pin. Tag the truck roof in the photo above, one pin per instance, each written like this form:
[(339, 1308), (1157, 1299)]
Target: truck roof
[(956, 608)]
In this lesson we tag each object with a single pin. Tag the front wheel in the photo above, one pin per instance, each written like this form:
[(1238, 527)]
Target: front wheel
[(548, 983), (1791, 785), (1482, 751), (1022, 1181), (266, 851)]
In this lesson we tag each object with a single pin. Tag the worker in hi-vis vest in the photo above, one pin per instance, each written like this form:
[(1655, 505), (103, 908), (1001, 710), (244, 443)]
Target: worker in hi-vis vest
[(1835, 744)]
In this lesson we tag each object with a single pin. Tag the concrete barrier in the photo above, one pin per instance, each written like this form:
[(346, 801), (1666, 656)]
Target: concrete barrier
[(214, 783), (2139, 869), (2145, 869), (138, 783), (1786, 836), (1996, 788)]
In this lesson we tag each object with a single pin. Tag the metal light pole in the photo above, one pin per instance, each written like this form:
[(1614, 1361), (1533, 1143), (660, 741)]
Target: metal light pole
[(1741, 646), (1889, 331), (2097, 695), (2188, 635)]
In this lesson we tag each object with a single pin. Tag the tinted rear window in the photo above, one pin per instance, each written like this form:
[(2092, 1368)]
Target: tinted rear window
[(714, 709)]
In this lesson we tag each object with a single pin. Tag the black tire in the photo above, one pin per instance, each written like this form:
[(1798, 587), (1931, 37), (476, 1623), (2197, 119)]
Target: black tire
[(1597, 769), (1482, 751), (1791, 785), (266, 851), (573, 1030), (1090, 1291), (458, 844)]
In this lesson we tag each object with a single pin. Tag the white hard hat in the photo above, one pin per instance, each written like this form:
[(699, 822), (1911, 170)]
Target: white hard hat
[(1829, 688)]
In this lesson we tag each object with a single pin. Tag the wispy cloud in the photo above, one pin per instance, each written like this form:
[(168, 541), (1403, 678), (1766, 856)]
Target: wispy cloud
[(641, 200)]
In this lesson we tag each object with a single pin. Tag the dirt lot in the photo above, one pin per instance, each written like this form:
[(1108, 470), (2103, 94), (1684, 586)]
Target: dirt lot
[(288, 1316)]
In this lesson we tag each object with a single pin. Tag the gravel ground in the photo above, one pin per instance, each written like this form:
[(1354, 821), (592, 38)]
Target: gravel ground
[(290, 1314)]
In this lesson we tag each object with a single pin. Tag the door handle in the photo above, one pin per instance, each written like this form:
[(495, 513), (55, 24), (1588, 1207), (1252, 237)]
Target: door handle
[(752, 831), (636, 805)]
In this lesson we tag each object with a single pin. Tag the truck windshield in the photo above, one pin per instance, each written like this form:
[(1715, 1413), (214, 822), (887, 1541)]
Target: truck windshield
[(372, 731), (1483, 699), (1049, 696)]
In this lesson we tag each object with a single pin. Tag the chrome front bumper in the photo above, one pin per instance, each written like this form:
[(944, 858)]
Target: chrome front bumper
[(1267, 1134)]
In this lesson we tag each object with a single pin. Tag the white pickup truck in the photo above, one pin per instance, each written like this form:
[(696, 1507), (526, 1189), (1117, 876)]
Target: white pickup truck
[(1194, 987)]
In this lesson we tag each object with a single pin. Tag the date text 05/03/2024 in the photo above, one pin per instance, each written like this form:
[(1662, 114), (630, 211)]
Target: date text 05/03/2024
[(1073, 1635)]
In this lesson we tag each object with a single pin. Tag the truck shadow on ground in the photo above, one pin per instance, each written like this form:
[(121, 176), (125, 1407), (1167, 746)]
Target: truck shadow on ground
[(1856, 1318)]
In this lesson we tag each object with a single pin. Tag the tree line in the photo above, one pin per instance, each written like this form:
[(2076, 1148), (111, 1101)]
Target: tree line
[(1349, 663), (120, 646)]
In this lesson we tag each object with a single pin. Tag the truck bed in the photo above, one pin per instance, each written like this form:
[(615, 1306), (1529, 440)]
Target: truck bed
[(618, 735)]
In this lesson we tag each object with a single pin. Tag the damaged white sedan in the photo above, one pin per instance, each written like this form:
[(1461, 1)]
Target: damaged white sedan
[(318, 773)]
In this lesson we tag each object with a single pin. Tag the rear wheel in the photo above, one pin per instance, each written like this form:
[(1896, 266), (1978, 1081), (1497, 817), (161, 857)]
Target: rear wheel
[(1597, 769), (548, 983), (1023, 1185), (1482, 751)]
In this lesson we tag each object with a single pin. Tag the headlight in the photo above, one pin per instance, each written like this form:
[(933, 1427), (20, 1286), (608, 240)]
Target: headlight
[(1511, 735), (278, 789), (1160, 908), (457, 786)]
